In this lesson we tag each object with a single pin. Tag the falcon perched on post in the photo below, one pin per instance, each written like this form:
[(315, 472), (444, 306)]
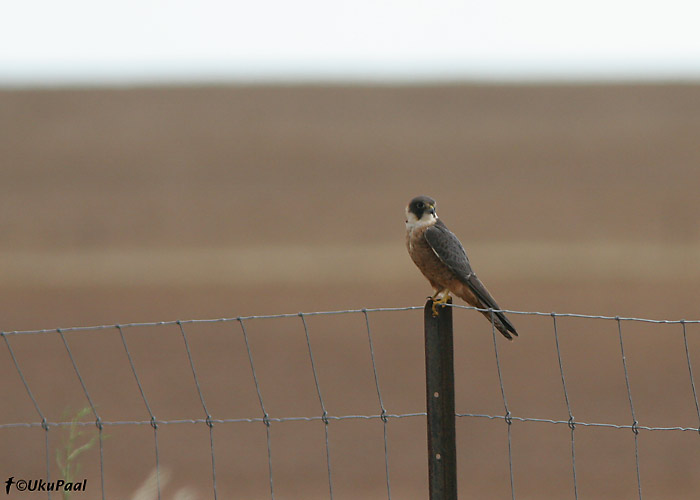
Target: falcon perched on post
[(441, 258)]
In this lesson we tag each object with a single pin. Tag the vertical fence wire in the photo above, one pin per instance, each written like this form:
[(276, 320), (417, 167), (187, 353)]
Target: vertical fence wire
[(44, 422), (98, 420), (635, 423), (690, 372), (204, 407), (572, 423), (507, 417), (266, 417), (154, 422), (381, 404), (324, 413)]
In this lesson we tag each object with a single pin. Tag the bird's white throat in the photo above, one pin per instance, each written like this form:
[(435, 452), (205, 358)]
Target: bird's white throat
[(413, 222)]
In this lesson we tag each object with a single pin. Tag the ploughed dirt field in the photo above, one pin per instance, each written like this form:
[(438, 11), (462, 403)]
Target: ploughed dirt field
[(147, 205)]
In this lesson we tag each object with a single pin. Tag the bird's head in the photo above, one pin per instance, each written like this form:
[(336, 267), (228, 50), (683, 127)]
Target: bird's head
[(421, 211)]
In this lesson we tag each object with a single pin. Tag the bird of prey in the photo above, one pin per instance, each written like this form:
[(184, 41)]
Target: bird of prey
[(441, 258)]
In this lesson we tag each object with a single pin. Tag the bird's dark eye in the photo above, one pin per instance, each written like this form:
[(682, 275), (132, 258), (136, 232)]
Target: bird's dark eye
[(420, 205)]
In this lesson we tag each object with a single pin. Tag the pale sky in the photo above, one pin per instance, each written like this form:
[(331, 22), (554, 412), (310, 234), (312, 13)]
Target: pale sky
[(48, 42)]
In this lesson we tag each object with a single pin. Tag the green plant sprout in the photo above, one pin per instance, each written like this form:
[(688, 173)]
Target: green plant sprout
[(74, 444)]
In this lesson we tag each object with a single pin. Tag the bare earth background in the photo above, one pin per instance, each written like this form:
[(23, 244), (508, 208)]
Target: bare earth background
[(121, 206)]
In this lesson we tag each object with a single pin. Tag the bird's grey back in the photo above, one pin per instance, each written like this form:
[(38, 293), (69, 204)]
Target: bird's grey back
[(448, 249)]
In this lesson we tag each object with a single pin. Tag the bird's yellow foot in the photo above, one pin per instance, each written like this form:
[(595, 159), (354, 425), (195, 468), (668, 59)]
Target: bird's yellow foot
[(440, 302)]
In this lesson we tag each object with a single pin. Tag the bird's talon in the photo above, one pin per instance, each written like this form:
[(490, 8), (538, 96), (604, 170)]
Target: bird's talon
[(441, 301)]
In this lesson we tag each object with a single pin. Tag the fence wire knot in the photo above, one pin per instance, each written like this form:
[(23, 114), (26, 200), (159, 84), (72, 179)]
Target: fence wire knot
[(324, 417), (209, 422), (508, 418), (572, 423), (44, 424), (383, 416), (635, 427), (154, 422), (266, 420), (98, 423)]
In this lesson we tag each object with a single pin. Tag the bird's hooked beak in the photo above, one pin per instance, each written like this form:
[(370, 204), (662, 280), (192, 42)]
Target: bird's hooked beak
[(431, 209)]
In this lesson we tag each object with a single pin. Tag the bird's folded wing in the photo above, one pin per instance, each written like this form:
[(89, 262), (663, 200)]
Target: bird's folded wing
[(448, 249), (451, 252)]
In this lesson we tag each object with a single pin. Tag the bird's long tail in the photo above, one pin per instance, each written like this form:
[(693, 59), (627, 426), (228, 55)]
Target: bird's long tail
[(474, 293), (502, 324)]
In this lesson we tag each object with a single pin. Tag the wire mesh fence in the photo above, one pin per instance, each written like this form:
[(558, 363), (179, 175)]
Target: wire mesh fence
[(265, 372)]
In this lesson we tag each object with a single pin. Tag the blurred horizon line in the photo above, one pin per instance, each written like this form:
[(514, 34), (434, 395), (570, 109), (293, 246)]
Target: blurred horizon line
[(205, 73)]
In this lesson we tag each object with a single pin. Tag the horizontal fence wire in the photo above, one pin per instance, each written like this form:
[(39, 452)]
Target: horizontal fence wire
[(385, 416), (382, 414), (343, 311)]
